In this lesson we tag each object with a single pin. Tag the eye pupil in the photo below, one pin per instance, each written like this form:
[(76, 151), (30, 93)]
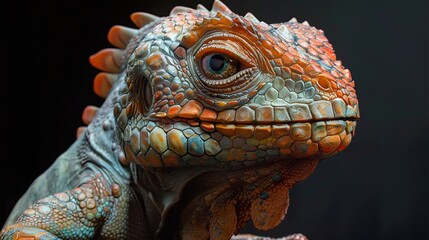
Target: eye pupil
[(217, 62), (218, 66)]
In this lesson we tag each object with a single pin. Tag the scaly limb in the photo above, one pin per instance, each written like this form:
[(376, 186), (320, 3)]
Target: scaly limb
[(76, 214)]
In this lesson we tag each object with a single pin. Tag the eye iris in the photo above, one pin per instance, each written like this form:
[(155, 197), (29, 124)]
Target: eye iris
[(218, 66), (217, 63)]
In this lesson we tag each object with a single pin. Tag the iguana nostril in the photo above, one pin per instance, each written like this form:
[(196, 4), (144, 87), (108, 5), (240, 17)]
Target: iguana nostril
[(324, 83)]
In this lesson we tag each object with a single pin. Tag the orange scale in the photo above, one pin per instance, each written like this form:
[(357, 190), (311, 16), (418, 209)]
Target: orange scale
[(327, 49), (287, 59), (220, 104), (347, 74), (209, 127), (350, 89), (277, 52), (319, 51), (293, 51), (270, 38), (287, 70), (252, 93), (338, 63), (346, 99), (267, 52), (278, 61), (193, 123), (335, 73), (208, 115), (225, 20), (321, 38), (214, 21), (312, 51), (191, 109), (315, 42), (312, 70), (232, 103), (130, 109), (332, 56), (344, 82), (327, 62), (158, 95), (173, 111), (296, 69), (306, 78), (306, 38), (163, 102), (189, 39), (267, 45), (179, 97), (302, 62)]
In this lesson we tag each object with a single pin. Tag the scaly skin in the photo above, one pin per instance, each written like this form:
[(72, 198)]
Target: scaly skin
[(210, 119)]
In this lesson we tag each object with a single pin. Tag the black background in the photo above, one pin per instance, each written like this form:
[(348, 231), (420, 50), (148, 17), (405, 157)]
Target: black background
[(376, 189)]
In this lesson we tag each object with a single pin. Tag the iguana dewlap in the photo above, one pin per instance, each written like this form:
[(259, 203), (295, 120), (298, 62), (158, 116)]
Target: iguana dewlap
[(209, 119)]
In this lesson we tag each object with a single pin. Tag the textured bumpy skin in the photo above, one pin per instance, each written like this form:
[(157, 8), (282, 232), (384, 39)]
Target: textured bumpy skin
[(210, 118)]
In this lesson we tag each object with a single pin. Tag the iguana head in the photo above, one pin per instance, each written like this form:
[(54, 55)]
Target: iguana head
[(216, 90)]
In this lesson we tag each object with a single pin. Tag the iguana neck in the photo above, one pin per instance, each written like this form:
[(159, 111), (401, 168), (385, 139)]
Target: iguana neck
[(102, 144), (202, 203)]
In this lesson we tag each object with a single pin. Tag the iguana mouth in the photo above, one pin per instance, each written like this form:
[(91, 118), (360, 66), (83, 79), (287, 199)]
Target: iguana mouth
[(279, 112), (250, 129), (262, 122), (194, 122)]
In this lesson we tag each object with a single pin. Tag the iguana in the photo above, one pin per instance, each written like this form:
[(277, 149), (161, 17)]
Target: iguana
[(209, 119)]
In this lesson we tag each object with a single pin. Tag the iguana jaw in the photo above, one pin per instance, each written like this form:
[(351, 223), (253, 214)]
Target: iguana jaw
[(242, 135), (162, 141)]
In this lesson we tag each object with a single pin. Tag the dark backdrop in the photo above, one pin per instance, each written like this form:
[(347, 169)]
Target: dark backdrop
[(376, 189)]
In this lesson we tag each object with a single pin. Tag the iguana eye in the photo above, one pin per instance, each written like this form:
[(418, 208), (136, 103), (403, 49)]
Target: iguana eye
[(225, 65), (219, 66)]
